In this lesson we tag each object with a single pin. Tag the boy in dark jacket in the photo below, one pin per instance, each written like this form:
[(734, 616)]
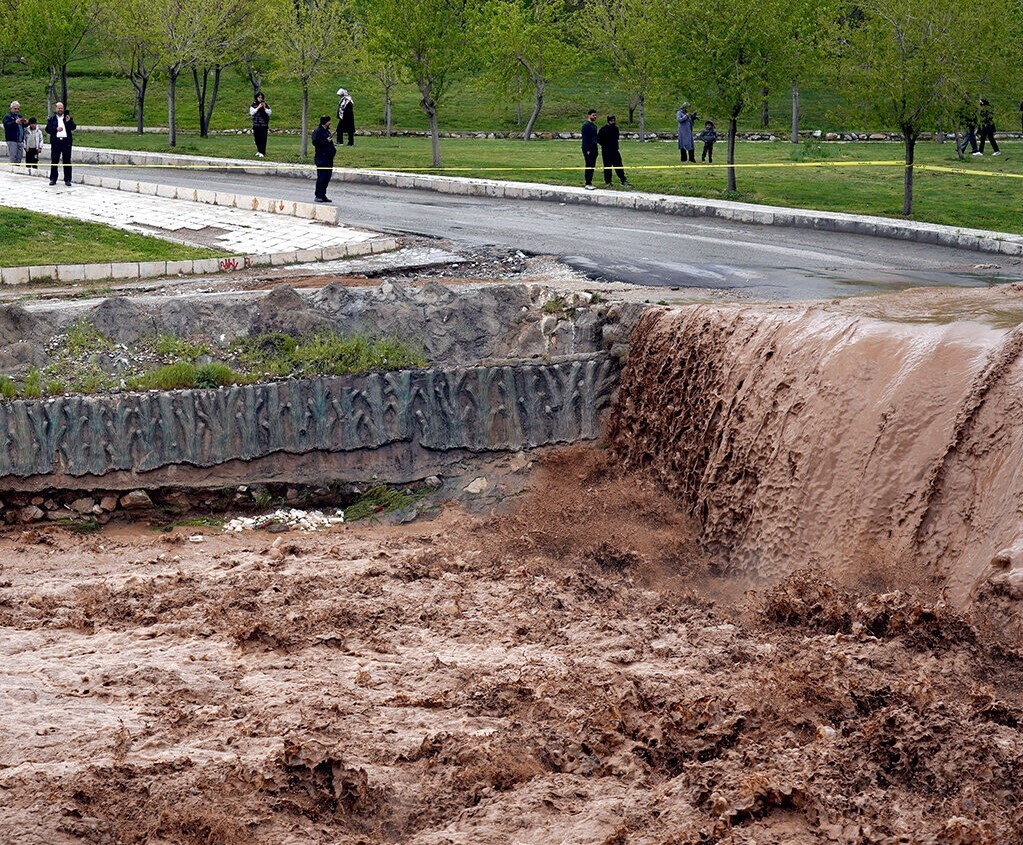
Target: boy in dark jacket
[(608, 137), (709, 135)]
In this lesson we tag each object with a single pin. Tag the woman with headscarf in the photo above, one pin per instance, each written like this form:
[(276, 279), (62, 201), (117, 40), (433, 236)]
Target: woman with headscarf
[(345, 116), (259, 111), (686, 145)]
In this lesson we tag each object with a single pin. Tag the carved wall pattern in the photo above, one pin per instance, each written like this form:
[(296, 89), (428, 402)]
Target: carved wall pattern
[(481, 408)]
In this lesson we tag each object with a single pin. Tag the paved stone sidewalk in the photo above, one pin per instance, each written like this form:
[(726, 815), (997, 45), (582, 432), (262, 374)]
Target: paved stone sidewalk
[(239, 231)]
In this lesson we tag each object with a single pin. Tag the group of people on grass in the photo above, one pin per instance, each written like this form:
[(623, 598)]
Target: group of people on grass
[(324, 148), (25, 139), (606, 140), (969, 117)]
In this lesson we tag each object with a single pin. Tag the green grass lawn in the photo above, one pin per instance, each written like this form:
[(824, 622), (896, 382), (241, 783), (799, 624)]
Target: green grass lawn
[(983, 193), (32, 239)]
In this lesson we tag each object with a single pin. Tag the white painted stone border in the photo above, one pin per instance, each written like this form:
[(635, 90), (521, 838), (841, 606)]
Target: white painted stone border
[(980, 240)]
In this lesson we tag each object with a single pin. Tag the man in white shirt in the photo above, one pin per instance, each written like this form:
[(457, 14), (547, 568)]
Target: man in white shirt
[(59, 127)]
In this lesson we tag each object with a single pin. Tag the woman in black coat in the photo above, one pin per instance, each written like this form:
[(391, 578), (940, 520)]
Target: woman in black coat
[(346, 116), (323, 145)]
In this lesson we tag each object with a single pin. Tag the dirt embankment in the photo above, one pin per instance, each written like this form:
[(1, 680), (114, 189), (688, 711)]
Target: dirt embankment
[(811, 438), (577, 671)]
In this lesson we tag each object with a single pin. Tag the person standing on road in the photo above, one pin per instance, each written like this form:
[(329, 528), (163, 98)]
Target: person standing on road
[(59, 127), (346, 116), (33, 145), (260, 113), (686, 147), (589, 133), (610, 153), (14, 133), (323, 144), (987, 127)]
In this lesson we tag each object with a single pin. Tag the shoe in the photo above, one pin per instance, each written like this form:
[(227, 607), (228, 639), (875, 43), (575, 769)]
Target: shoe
[(589, 187), (259, 155), (68, 184), (626, 183), (53, 183), (978, 153), (320, 199), (997, 154), (608, 185)]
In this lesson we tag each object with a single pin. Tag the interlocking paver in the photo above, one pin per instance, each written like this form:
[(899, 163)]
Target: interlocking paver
[(241, 231)]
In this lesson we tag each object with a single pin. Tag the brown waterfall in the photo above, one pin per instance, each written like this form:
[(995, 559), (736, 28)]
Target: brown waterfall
[(802, 438)]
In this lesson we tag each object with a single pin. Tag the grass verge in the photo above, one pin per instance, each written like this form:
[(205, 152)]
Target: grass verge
[(33, 239)]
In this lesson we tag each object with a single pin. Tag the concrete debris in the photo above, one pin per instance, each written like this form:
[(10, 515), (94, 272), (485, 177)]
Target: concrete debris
[(288, 517)]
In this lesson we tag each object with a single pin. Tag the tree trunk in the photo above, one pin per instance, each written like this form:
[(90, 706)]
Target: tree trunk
[(200, 96), (140, 103), (732, 128), (63, 87), (254, 78), (172, 127), (387, 109), (795, 113), (765, 114), (434, 134), (213, 97), (305, 119), (632, 103), (430, 107), (641, 108), (907, 193), (51, 91), (537, 105)]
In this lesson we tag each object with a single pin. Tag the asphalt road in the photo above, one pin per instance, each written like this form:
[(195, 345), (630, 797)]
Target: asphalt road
[(771, 262)]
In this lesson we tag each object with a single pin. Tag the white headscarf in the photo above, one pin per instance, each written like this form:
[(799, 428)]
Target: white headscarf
[(346, 98)]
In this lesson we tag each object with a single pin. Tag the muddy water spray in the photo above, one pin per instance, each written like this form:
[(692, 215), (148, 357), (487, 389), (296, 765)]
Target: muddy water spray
[(806, 438)]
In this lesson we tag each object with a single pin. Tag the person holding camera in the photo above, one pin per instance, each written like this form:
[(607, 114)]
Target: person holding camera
[(260, 113), (323, 155), (14, 133), (59, 127), (686, 120)]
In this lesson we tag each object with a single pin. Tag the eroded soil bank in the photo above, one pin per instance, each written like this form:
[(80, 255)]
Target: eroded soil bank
[(576, 670)]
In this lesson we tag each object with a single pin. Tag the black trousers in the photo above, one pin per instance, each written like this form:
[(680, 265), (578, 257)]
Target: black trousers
[(32, 158), (350, 133), (612, 158), (987, 133), (590, 158), (708, 152), (969, 139), (60, 149), (260, 133), (688, 155), (323, 175)]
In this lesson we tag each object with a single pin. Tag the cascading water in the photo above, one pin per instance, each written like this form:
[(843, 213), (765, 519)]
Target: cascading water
[(805, 438)]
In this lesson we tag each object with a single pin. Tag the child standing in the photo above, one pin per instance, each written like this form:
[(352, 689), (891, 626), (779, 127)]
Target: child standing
[(708, 136), (33, 145)]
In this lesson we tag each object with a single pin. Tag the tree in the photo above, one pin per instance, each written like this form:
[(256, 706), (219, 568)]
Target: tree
[(630, 34), (314, 40), (904, 64), (373, 61), (810, 25), (428, 46), (741, 50), (524, 39), (178, 33), (224, 31), (131, 28), (56, 39)]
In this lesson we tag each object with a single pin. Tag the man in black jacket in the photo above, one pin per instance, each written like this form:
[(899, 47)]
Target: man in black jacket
[(608, 137), (589, 132), (323, 144), (59, 127)]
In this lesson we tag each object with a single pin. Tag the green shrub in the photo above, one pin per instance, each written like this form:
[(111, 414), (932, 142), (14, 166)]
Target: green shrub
[(168, 377), (216, 375), (32, 388), (8, 389), (84, 337)]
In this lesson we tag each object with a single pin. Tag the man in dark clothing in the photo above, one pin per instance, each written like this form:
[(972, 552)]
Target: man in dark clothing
[(59, 127), (987, 127), (966, 119), (589, 132), (323, 145), (610, 154), (14, 133)]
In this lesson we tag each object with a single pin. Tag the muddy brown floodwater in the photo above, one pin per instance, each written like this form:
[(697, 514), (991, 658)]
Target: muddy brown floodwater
[(572, 670)]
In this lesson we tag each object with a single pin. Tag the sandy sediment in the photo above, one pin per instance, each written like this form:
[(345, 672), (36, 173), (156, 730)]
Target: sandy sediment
[(849, 443)]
